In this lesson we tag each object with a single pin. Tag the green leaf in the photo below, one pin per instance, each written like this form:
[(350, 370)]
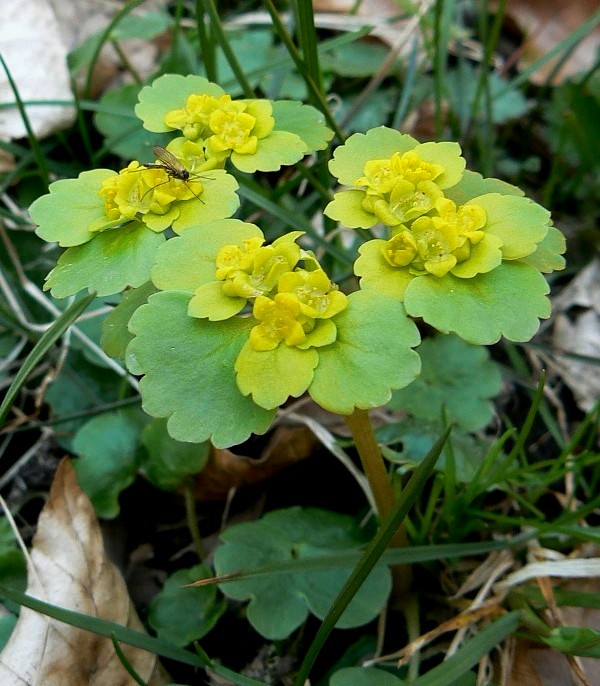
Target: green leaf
[(72, 205), (272, 376), (506, 102), (7, 624), (189, 375), (108, 264), (378, 274), (169, 463), (548, 255), (188, 261), (170, 92), (304, 121), (123, 131), (455, 377), (279, 148), (371, 356), (182, 614), (357, 59), (218, 201), (346, 208), (359, 676), (115, 334), (504, 302), (107, 446), (519, 222), (278, 605), (473, 185), (418, 436), (146, 26)]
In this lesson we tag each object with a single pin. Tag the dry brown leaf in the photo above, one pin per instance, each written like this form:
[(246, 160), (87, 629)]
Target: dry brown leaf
[(226, 470), (546, 24), (31, 45), (579, 333), (69, 568)]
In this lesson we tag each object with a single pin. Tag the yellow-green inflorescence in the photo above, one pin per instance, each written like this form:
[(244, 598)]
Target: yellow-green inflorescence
[(292, 298), (225, 125)]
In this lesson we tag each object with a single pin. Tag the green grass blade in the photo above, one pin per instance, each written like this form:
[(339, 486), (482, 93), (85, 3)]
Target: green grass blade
[(124, 634), (372, 554), (40, 158), (471, 652), (307, 37), (104, 38), (46, 341), (126, 664)]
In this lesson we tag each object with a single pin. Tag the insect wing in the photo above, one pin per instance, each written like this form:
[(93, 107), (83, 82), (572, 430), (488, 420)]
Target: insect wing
[(169, 160)]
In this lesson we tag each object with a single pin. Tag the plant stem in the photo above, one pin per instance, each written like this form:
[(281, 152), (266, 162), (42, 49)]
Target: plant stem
[(376, 472), (192, 522)]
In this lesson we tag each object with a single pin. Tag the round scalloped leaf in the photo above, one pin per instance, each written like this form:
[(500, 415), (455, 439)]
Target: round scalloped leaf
[(349, 160), (281, 603), (303, 120), (371, 356), (218, 201), (187, 261), (278, 149), (507, 301), (108, 450), (346, 208), (456, 377), (181, 613), (168, 464), (548, 256), (473, 184), (378, 274), (114, 260), (272, 376), (115, 334), (170, 92), (520, 223), (209, 302), (188, 368), (64, 214)]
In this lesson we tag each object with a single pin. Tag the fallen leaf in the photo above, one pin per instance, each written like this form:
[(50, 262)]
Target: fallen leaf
[(548, 23), (69, 568), (36, 57), (226, 470), (577, 331)]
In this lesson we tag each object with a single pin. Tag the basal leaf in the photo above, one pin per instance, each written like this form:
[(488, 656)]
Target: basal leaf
[(169, 463), (548, 256), (112, 261), (359, 676), (279, 604), (473, 184), (371, 356), (455, 377), (107, 446), (182, 614), (188, 368)]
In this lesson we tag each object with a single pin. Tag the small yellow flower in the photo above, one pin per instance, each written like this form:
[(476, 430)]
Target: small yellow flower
[(279, 321), (318, 297)]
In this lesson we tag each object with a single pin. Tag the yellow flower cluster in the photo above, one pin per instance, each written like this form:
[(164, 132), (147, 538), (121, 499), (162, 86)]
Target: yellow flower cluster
[(400, 191), (292, 304), (139, 190), (223, 124)]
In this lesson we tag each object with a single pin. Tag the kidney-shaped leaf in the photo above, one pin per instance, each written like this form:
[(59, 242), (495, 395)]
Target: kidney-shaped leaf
[(280, 603)]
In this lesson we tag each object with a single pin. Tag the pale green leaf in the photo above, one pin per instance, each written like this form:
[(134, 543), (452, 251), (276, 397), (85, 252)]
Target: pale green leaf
[(188, 368)]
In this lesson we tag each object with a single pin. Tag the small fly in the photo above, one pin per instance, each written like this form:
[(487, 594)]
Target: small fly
[(170, 163), (173, 167)]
